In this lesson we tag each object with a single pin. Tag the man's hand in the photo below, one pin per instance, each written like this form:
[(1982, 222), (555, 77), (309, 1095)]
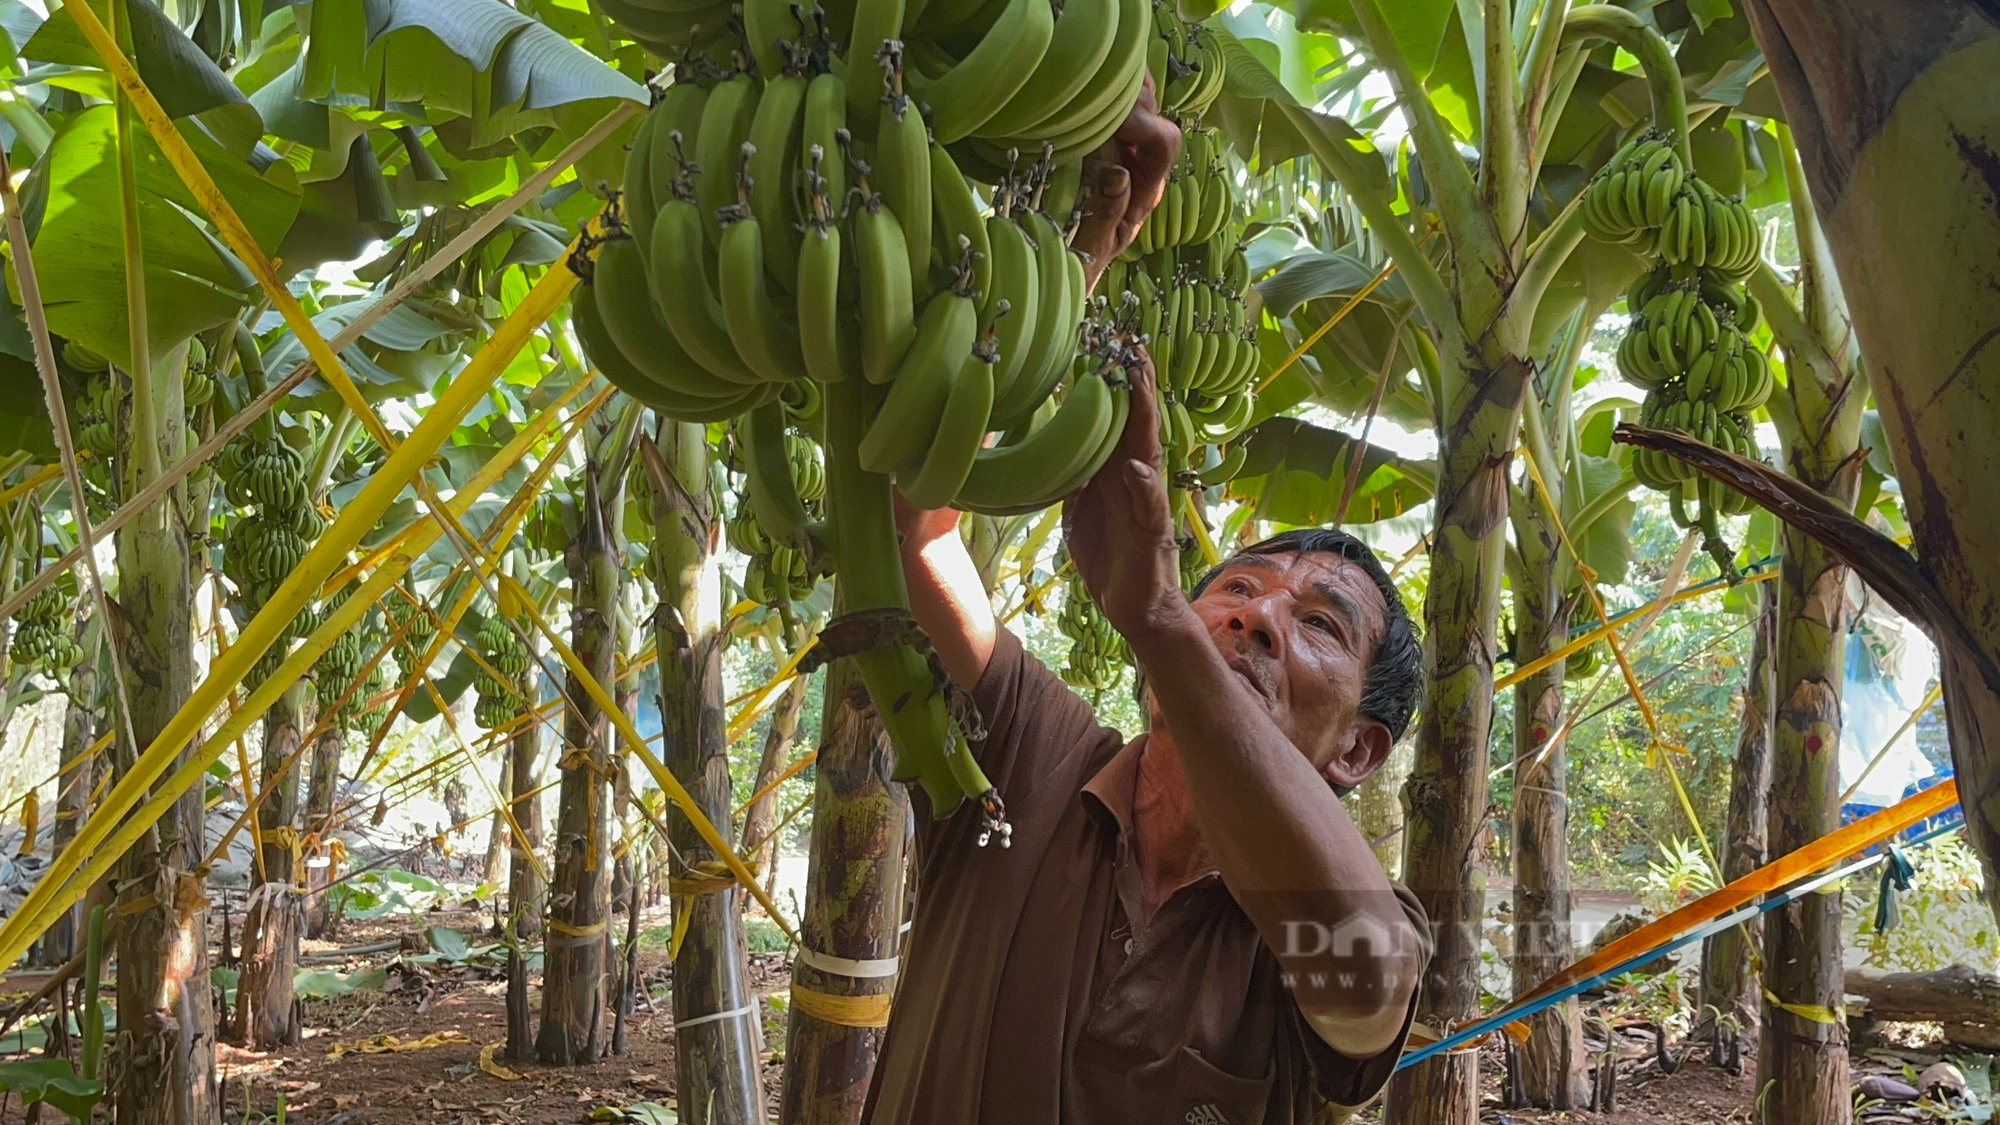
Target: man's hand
[(1123, 181), (1119, 526)]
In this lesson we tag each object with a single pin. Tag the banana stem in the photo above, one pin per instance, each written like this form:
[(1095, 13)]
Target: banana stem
[(1624, 28), (908, 697)]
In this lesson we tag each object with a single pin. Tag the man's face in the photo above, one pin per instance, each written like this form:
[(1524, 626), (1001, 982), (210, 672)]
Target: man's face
[(1301, 630)]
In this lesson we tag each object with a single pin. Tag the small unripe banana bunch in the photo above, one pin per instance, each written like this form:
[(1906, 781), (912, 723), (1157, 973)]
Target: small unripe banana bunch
[(1634, 193), (43, 635), (497, 703), (91, 420), (1199, 199), (1096, 655), (1186, 63)]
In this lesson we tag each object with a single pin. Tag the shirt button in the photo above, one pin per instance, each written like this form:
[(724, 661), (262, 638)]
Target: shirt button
[(1128, 947)]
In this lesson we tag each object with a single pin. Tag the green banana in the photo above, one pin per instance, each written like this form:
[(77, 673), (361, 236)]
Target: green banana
[(718, 145), (989, 76), (775, 134), (637, 192), (883, 265), (1036, 468), (902, 429), (757, 328), (957, 214), (902, 169), (825, 347), (825, 118), (957, 438), (875, 22), (679, 267), (773, 494), (1011, 307)]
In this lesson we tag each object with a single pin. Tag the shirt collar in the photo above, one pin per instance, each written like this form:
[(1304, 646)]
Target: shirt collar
[(1115, 785), (1115, 788)]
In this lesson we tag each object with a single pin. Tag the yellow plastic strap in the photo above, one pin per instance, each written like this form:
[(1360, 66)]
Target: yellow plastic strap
[(1579, 643), (47, 474), (386, 1044), (762, 696), (844, 1011), (1339, 315), (1817, 1013), (700, 885), (571, 936), (1201, 535), (804, 760), (1624, 666)]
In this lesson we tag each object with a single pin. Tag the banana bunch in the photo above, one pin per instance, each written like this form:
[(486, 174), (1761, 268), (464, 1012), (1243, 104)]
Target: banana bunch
[(852, 244), (1186, 63), (267, 473), (91, 419), (497, 703), (1097, 652), (260, 549), (341, 665), (1198, 201), (1188, 302), (1634, 193), (808, 473), (43, 637), (1689, 334), (1703, 228), (414, 627), (1584, 661), (198, 378), (776, 574), (84, 359)]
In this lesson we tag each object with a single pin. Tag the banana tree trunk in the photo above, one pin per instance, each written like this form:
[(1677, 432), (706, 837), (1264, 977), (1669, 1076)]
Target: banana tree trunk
[(323, 861), (524, 884), (573, 977), (1443, 860), (854, 903), (1803, 1048), (265, 1016), (1549, 1063), (778, 739), (1377, 807), (716, 1059), (75, 780), (494, 868), (1891, 106), (163, 1068), (1729, 994)]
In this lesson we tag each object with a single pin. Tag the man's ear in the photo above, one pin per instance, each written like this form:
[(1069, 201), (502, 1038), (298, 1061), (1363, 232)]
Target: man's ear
[(1367, 747)]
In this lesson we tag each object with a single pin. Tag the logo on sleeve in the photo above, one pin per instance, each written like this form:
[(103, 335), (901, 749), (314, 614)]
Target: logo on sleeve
[(1207, 1114)]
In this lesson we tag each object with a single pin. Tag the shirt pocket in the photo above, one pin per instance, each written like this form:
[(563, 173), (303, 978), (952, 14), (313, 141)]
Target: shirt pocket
[(1206, 1094)]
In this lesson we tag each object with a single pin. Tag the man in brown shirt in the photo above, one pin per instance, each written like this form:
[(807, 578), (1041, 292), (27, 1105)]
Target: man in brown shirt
[(1187, 929)]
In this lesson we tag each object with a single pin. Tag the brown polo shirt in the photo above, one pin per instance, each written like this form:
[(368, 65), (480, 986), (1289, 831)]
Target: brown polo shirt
[(1033, 993)]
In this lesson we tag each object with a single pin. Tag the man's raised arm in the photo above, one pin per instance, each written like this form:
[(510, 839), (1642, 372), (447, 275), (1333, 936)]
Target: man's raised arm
[(946, 596)]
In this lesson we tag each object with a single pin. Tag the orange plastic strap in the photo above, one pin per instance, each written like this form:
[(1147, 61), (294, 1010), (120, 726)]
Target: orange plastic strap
[(1835, 845)]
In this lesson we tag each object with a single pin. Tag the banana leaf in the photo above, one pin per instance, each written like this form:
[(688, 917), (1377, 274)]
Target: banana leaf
[(70, 202), (1295, 471)]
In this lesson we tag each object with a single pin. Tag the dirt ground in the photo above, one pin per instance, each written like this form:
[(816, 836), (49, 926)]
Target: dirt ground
[(465, 1010)]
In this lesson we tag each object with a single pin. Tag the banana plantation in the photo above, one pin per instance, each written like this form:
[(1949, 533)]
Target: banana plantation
[(655, 561)]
